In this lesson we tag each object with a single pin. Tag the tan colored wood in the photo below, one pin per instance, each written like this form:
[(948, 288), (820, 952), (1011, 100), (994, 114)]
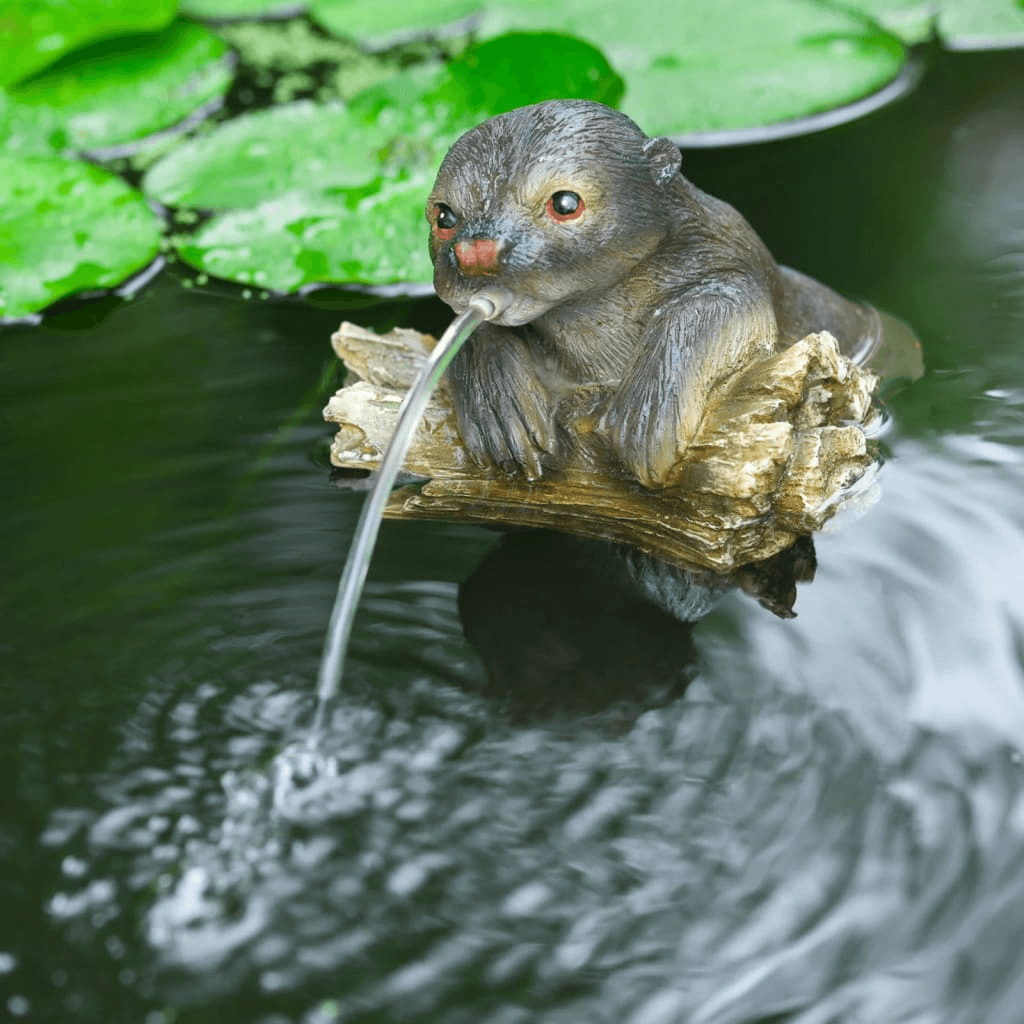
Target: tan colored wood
[(782, 446)]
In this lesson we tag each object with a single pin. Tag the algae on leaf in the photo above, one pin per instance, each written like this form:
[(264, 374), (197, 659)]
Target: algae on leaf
[(35, 33), (117, 91), (65, 227)]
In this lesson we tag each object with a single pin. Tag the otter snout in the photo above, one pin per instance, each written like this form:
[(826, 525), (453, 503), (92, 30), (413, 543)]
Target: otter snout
[(479, 256)]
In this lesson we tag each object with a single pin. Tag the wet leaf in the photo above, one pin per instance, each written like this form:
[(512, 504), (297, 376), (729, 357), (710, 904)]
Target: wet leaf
[(301, 169), (303, 238), (116, 91), (703, 66), (379, 25), (66, 226), (299, 146), (517, 69), (35, 33), (719, 64), (400, 126)]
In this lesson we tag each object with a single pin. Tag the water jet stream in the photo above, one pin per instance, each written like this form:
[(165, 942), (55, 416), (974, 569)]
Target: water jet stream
[(485, 305)]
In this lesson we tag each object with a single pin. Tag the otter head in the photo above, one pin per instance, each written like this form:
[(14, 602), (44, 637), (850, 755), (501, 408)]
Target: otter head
[(550, 202)]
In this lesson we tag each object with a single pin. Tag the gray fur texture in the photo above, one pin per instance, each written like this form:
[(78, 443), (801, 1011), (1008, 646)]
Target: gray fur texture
[(655, 290)]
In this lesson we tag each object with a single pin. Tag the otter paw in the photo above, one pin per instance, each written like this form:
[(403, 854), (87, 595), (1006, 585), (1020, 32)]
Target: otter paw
[(645, 439), (512, 432)]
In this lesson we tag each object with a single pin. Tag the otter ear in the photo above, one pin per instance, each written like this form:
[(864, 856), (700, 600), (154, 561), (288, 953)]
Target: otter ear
[(663, 158)]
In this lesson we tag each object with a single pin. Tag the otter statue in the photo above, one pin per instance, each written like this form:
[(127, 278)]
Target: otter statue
[(622, 274)]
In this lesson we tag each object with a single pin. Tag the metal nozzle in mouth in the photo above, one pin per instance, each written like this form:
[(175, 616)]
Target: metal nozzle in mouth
[(490, 303)]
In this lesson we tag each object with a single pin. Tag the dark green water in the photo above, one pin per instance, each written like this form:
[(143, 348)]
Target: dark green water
[(828, 826)]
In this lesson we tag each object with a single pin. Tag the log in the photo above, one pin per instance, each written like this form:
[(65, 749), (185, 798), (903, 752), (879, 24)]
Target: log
[(781, 448)]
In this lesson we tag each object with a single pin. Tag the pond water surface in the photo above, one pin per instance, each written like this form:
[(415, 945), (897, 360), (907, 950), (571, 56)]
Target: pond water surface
[(528, 819)]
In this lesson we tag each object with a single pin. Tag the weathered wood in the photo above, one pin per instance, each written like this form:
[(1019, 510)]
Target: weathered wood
[(781, 447)]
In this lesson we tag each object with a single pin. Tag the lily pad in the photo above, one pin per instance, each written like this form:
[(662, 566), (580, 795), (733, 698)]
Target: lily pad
[(302, 169), (403, 125), (117, 90), (380, 25), (982, 24), (960, 24), (299, 146), (304, 238), (66, 226), (715, 64), (35, 33), (911, 20), (520, 68)]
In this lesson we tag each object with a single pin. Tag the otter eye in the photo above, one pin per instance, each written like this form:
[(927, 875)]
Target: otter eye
[(446, 220), (565, 206)]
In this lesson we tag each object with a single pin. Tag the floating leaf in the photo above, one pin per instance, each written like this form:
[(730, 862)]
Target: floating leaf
[(216, 10), (318, 161), (398, 127), (960, 24), (981, 24), (520, 68), (35, 33), (379, 25), (299, 146), (66, 226), (117, 90), (718, 64), (303, 238), (911, 20)]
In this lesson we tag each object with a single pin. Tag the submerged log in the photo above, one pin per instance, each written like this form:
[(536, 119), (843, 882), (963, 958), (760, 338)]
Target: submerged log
[(779, 451)]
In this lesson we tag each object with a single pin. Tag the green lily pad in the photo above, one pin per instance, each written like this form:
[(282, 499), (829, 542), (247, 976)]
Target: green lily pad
[(961, 24), (304, 238), (911, 20), (520, 68), (379, 25), (35, 33), (336, 193), (399, 127), (227, 10), (66, 226), (116, 91), (982, 24), (299, 146), (710, 65)]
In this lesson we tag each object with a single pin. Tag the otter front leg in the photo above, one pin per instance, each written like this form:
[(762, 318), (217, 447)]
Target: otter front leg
[(692, 343), (503, 410)]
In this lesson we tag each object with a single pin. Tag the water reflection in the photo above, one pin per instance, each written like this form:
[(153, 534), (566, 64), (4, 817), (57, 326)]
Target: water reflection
[(563, 627)]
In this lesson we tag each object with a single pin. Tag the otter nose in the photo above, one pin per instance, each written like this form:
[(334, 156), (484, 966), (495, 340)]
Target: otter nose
[(479, 256)]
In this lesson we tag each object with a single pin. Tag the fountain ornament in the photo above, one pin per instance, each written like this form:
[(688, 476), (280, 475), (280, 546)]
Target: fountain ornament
[(640, 368)]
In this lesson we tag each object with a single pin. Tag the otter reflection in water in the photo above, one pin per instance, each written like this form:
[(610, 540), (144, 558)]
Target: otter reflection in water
[(573, 626)]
